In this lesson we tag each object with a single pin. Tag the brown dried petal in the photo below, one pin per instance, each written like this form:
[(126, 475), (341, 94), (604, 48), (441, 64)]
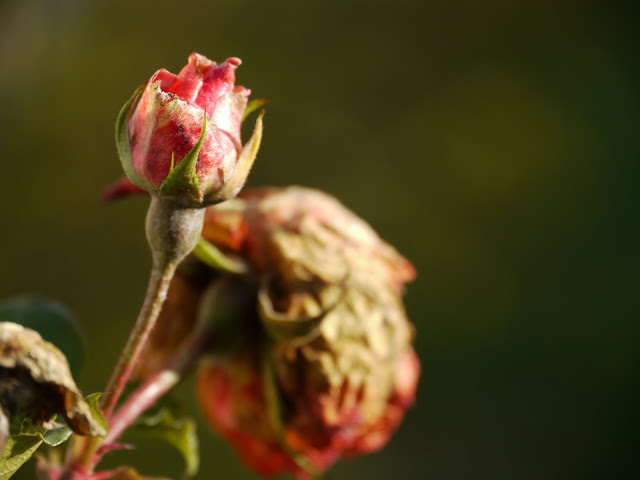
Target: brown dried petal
[(345, 378), (35, 380)]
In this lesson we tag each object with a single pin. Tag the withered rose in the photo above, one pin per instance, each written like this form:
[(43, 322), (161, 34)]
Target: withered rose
[(329, 300)]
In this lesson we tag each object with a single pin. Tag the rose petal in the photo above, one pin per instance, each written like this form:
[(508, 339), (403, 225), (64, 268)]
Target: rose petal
[(217, 82)]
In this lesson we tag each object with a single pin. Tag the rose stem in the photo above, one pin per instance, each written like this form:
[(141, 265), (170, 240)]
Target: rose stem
[(172, 233)]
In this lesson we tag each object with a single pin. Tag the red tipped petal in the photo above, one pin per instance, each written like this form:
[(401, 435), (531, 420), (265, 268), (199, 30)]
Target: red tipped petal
[(166, 78), (189, 81), (217, 81)]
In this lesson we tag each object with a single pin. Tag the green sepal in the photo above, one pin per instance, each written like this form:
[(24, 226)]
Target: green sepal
[(254, 105), (183, 178), (96, 413), (241, 171), (210, 255), (123, 144)]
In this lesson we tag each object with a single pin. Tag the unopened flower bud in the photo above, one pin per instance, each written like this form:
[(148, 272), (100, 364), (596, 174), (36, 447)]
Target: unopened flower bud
[(179, 135), (35, 381)]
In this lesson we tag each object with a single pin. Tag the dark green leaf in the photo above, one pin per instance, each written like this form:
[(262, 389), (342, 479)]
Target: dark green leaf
[(52, 321), (17, 451), (180, 432)]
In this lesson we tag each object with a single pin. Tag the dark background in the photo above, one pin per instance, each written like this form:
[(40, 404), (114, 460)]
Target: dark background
[(495, 143)]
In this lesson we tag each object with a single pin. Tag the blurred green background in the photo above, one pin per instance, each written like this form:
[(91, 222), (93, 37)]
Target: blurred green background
[(495, 143)]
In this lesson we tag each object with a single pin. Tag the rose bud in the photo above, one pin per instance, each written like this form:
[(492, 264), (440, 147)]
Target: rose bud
[(333, 355), (35, 381), (179, 135)]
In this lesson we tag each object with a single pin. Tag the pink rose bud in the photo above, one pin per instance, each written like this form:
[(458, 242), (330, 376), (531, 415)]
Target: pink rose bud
[(179, 135), (332, 332)]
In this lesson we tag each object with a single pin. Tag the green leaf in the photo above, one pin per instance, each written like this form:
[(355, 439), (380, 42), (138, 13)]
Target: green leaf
[(183, 178), (180, 432), (96, 413), (31, 429), (52, 321), (17, 451), (209, 254), (57, 436), (52, 436), (252, 106)]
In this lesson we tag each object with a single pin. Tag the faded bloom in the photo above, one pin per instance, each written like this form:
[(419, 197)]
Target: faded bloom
[(35, 381), (339, 348), (179, 135)]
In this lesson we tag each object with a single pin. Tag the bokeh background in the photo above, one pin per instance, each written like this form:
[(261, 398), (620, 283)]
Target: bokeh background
[(495, 143)]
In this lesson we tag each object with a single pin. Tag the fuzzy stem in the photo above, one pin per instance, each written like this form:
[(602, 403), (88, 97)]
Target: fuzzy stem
[(156, 294), (172, 232)]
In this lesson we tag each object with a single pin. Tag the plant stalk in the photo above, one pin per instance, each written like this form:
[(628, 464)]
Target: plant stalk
[(172, 233)]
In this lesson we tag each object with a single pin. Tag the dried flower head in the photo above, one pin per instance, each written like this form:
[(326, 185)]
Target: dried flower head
[(339, 343)]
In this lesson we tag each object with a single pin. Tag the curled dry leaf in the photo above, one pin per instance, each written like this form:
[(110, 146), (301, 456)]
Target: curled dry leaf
[(35, 381)]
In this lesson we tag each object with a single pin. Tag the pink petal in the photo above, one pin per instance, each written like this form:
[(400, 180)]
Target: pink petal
[(189, 80), (218, 81), (165, 77)]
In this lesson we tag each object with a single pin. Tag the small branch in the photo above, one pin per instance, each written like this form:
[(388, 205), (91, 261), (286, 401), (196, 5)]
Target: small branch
[(158, 385)]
